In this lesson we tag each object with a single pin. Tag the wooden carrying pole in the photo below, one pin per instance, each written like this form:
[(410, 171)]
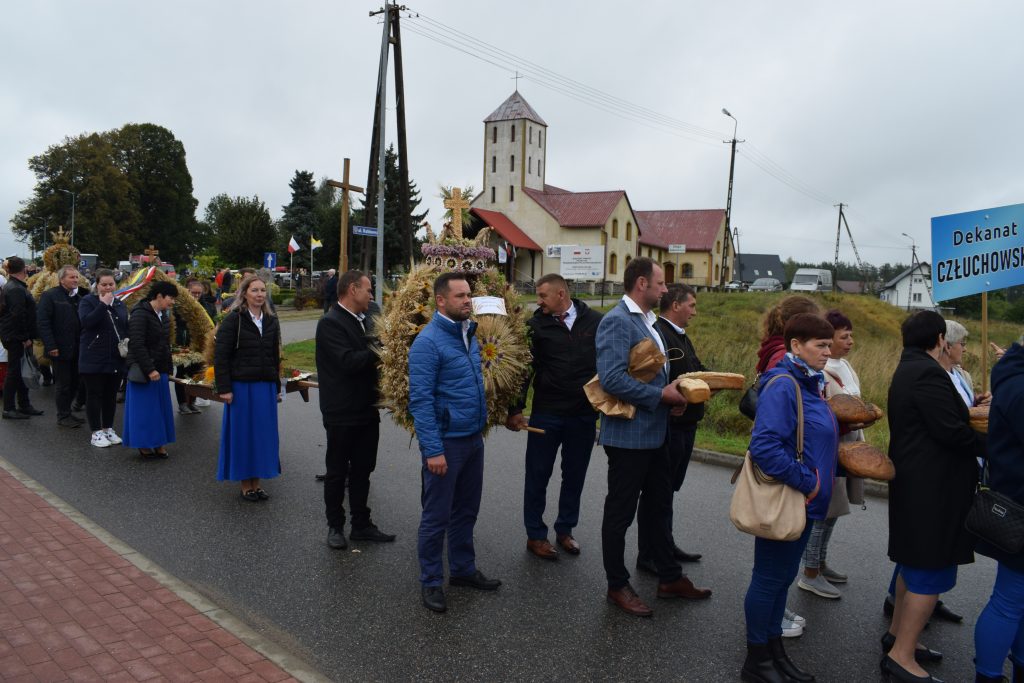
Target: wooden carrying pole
[(984, 342)]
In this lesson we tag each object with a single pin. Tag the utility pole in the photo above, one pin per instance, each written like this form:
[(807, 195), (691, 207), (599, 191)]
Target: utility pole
[(739, 256), (835, 259), (728, 199), (73, 196), (404, 220), (856, 254)]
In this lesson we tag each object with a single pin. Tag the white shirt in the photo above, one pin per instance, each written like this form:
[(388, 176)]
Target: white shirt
[(570, 315), (465, 328), (649, 319), (839, 367), (961, 387), (358, 316), (258, 321), (675, 327)]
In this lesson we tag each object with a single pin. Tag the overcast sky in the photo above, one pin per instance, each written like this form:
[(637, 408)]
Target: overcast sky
[(903, 110)]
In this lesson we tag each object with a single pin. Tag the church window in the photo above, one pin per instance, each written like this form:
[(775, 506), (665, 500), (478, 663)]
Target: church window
[(629, 231), (628, 259), (718, 247), (539, 133), (492, 194), (494, 164), (716, 271), (613, 263), (686, 270), (530, 168), (512, 163), (531, 135), (513, 132), (615, 228), (539, 171), (494, 134), (511, 193)]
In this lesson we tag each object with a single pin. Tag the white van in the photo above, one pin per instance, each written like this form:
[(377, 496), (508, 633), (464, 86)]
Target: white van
[(811, 280)]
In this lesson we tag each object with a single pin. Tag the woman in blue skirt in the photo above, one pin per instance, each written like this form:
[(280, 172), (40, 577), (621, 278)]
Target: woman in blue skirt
[(148, 419), (247, 360)]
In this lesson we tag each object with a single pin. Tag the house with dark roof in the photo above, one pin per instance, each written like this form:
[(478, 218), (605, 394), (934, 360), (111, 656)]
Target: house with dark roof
[(752, 266), (533, 219), (911, 289)]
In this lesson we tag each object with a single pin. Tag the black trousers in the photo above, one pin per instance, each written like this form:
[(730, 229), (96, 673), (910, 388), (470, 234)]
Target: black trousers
[(351, 457), (680, 450), (14, 385), (100, 398), (634, 476), (183, 372), (65, 380)]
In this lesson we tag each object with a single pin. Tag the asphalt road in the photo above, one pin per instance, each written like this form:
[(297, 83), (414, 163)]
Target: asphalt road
[(356, 614)]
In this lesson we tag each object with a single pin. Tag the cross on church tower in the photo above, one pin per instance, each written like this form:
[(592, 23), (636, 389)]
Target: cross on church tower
[(152, 253), (456, 203)]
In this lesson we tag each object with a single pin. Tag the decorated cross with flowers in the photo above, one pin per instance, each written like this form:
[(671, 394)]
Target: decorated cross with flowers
[(456, 203)]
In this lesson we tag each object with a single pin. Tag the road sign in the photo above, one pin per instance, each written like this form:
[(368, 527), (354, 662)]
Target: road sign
[(195, 263), (582, 263), (677, 248), (82, 263), (364, 231), (977, 251), (270, 260)]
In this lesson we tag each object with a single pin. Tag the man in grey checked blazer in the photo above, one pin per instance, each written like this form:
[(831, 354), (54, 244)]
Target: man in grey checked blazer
[(638, 458)]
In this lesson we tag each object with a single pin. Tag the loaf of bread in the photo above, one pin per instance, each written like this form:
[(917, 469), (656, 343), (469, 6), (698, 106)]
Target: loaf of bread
[(852, 410), (718, 380), (693, 390), (979, 419), (861, 459)]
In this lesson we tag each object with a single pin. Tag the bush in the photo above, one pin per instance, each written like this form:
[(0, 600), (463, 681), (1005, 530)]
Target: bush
[(278, 297), (306, 297)]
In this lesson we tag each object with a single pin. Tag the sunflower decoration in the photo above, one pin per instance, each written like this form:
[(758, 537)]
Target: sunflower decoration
[(504, 348)]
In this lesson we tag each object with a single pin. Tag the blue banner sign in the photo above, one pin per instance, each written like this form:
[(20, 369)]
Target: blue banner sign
[(977, 251), (364, 231)]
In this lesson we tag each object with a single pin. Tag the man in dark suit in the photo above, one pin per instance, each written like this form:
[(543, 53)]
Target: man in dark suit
[(562, 333), (347, 371), (638, 460), (59, 329), (678, 306), (17, 330)]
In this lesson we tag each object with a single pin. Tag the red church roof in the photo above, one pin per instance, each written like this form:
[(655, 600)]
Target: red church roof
[(509, 231), (577, 209), (697, 229)]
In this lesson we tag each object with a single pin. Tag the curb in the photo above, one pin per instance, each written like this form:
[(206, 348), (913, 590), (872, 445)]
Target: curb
[(875, 489), (289, 663)]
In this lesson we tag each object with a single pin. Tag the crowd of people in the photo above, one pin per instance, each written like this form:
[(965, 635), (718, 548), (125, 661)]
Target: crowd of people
[(91, 340)]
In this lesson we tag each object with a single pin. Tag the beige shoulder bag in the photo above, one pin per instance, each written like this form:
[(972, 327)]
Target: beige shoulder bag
[(763, 506)]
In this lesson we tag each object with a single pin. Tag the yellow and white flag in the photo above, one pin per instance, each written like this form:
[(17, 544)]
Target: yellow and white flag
[(314, 243)]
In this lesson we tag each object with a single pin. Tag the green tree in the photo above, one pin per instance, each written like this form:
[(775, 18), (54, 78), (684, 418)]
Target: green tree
[(242, 228), (299, 217)]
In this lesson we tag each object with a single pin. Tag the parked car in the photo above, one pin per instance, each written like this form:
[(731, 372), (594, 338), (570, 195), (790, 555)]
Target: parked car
[(734, 286), (812, 280), (766, 284)]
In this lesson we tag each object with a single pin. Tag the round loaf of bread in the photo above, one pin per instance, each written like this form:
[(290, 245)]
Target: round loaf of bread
[(861, 459), (852, 410), (979, 419)]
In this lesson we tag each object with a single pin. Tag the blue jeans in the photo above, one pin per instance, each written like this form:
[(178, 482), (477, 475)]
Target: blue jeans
[(450, 507), (575, 434), (1000, 628), (775, 566)]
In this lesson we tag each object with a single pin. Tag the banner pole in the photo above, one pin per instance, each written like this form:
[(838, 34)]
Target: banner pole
[(984, 342)]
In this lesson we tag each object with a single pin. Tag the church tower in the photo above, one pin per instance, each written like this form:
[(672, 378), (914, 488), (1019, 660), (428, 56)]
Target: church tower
[(515, 153)]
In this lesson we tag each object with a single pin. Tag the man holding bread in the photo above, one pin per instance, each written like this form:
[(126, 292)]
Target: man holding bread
[(638, 459), (678, 305)]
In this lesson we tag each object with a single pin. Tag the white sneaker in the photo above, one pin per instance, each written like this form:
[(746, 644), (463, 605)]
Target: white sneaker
[(112, 437), (203, 402), (791, 629), (790, 615), (99, 439)]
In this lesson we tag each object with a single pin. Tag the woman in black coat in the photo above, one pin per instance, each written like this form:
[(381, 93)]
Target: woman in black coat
[(1000, 628), (247, 360), (104, 322), (148, 418), (935, 452)]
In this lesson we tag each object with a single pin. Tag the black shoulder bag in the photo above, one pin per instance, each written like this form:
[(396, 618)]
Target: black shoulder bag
[(996, 518)]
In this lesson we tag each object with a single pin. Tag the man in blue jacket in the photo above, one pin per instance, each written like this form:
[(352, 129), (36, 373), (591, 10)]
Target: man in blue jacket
[(638, 458), (449, 411)]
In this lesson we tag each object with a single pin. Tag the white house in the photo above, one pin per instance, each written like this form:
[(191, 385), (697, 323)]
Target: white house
[(911, 289)]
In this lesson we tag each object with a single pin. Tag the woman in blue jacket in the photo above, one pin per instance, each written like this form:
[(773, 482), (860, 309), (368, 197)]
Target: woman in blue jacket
[(104, 321), (773, 447)]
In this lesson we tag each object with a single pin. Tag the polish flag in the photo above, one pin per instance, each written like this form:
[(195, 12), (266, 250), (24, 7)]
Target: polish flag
[(293, 246)]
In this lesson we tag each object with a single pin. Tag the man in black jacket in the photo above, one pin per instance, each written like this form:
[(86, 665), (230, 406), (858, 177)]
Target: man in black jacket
[(347, 371), (17, 330), (59, 329), (562, 333), (678, 306)]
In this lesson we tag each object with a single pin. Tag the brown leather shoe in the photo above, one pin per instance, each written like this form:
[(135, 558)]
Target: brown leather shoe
[(569, 544), (627, 600), (682, 588), (542, 548)]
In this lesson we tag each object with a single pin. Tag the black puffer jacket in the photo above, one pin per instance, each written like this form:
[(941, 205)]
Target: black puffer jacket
[(149, 339), (242, 354), (57, 319), (18, 320)]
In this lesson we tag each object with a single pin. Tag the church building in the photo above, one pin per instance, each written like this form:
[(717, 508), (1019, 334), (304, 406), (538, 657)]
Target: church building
[(533, 219)]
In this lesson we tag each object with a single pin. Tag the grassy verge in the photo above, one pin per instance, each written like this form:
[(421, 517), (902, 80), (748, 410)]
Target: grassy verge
[(301, 355)]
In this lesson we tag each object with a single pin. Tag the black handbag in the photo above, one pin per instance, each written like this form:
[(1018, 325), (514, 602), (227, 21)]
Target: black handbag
[(748, 402), (135, 374), (996, 519)]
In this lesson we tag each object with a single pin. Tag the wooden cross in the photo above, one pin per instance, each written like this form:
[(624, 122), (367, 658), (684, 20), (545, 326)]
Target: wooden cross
[(345, 187), (152, 253), (456, 203)]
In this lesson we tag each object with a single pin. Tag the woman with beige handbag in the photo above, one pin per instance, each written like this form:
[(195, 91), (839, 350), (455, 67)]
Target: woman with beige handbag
[(785, 480)]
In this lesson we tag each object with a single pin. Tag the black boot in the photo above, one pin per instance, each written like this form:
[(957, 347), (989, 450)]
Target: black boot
[(982, 678), (759, 666), (1018, 672), (784, 664)]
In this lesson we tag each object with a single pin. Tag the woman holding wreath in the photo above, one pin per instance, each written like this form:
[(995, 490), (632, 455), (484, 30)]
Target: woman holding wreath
[(773, 448), (247, 359)]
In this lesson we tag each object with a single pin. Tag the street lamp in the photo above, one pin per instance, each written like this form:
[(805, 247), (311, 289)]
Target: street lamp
[(73, 195), (728, 200)]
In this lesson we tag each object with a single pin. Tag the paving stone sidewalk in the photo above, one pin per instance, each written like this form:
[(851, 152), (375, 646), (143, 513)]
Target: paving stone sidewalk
[(73, 609)]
